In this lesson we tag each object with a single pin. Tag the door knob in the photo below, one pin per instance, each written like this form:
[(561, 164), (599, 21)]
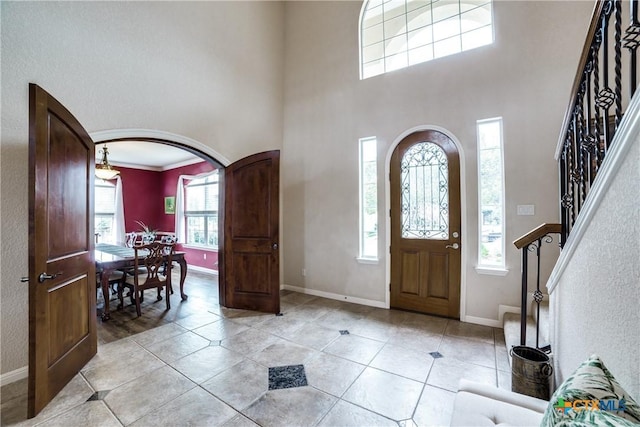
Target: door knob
[(275, 246), (454, 246), (44, 276), (24, 279)]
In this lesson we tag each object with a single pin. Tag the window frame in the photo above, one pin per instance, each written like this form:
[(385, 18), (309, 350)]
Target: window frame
[(483, 266), (105, 184), (206, 214), (362, 256)]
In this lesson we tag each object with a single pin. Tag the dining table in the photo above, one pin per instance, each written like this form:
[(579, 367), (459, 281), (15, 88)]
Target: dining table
[(110, 257)]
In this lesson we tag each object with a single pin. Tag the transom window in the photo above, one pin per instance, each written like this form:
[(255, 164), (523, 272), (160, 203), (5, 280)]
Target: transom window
[(201, 211), (395, 34)]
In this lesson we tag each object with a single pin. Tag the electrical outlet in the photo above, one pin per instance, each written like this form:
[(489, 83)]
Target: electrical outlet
[(204, 255)]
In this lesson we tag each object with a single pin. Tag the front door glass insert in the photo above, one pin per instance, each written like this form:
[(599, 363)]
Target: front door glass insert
[(424, 176)]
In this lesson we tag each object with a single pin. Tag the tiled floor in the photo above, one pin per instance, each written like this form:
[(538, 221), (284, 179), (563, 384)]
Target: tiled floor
[(346, 365)]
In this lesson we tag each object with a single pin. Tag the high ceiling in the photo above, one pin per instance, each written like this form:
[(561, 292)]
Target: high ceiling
[(146, 155)]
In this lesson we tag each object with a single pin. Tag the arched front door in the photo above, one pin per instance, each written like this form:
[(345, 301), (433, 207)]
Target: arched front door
[(425, 224)]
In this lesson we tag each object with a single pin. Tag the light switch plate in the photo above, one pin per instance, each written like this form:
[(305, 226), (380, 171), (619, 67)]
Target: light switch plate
[(526, 210)]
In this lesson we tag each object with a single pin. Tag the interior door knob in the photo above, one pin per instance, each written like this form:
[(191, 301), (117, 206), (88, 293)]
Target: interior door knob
[(454, 246), (275, 246), (44, 276)]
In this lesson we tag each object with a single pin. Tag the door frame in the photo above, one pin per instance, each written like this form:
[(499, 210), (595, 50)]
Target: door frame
[(463, 205)]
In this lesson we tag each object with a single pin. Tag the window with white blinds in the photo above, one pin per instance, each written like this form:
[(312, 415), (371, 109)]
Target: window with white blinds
[(105, 210)]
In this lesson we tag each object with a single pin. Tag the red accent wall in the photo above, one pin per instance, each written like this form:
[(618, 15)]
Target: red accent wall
[(144, 191)]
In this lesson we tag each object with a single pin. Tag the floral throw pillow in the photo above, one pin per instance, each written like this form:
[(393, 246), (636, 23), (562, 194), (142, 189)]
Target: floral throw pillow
[(588, 393)]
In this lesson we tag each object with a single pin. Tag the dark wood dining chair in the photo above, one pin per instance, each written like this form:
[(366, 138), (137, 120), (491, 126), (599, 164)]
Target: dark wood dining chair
[(147, 269)]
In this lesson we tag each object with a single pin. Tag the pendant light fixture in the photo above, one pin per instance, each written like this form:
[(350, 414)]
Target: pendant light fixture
[(103, 169)]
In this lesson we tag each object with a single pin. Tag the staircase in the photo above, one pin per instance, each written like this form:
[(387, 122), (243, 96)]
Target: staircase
[(511, 325)]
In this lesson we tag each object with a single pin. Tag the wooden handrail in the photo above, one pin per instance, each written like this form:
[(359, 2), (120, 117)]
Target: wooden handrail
[(537, 233), (586, 50)]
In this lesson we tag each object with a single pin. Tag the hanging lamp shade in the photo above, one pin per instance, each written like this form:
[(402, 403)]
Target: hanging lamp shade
[(103, 169)]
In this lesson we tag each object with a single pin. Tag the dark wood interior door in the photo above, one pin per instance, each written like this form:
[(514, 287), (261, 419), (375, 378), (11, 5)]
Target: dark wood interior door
[(425, 225), (62, 277), (250, 278)]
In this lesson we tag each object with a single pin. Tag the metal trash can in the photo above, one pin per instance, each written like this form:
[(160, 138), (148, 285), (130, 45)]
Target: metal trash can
[(531, 372)]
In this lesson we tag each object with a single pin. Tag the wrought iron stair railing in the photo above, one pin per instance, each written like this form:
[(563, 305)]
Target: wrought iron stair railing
[(605, 82), (532, 242)]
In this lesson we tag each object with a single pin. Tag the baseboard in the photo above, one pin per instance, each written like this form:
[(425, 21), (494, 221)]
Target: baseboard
[(482, 321), (202, 269), (339, 297), (502, 309), (13, 376)]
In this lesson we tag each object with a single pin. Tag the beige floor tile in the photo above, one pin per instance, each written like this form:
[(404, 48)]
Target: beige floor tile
[(177, 347), (391, 317), (502, 358), (75, 393), (313, 336), (206, 363), (283, 325), (415, 339), (136, 399), (194, 408), (128, 367), (250, 341), (332, 374), (435, 407), (158, 334), (390, 395), (504, 380), (197, 320), (112, 352), (345, 414), (300, 406), (239, 385), (423, 322), (447, 372), (240, 421), (283, 353), (297, 298), (220, 330), (94, 413), (374, 329), (456, 328), (470, 351), (338, 320), (403, 361), (355, 348)]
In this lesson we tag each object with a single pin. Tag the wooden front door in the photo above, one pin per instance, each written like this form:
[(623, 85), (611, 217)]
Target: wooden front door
[(62, 278), (425, 225), (251, 276)]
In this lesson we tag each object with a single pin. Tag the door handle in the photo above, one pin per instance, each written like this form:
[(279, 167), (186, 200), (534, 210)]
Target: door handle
[(24, 279), (454, 246), (275, 246), (44, 276)]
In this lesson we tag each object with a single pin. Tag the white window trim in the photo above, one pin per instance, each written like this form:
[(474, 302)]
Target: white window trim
[(363, 259), (491, 269)]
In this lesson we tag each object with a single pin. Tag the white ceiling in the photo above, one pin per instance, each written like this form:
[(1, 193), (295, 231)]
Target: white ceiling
[(145, 155)]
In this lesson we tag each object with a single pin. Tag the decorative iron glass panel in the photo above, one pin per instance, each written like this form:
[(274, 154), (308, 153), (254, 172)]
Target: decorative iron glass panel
[(424, 177)]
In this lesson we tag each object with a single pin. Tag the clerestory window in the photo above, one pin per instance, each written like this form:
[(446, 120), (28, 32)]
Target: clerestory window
[(395, 34)]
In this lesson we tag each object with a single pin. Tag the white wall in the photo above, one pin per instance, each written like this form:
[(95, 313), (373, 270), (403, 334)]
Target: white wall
[(595, 291), (211, 71), (525, 77)]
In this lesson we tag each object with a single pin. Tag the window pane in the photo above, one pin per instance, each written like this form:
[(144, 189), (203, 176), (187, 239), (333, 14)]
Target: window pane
[(396, 45), (421, 54), (373, 52), (445, 29), (475, 18), (394, 8), (476, 38), (373, 68), (395, 27), (444, 9), (395, 62), (424, 177), (104, 226), (368, 199), (372, 35), (419, 18), (372, 16), (417, 4), (447, 47), (420, 37), (491, 189), (195, 230)]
